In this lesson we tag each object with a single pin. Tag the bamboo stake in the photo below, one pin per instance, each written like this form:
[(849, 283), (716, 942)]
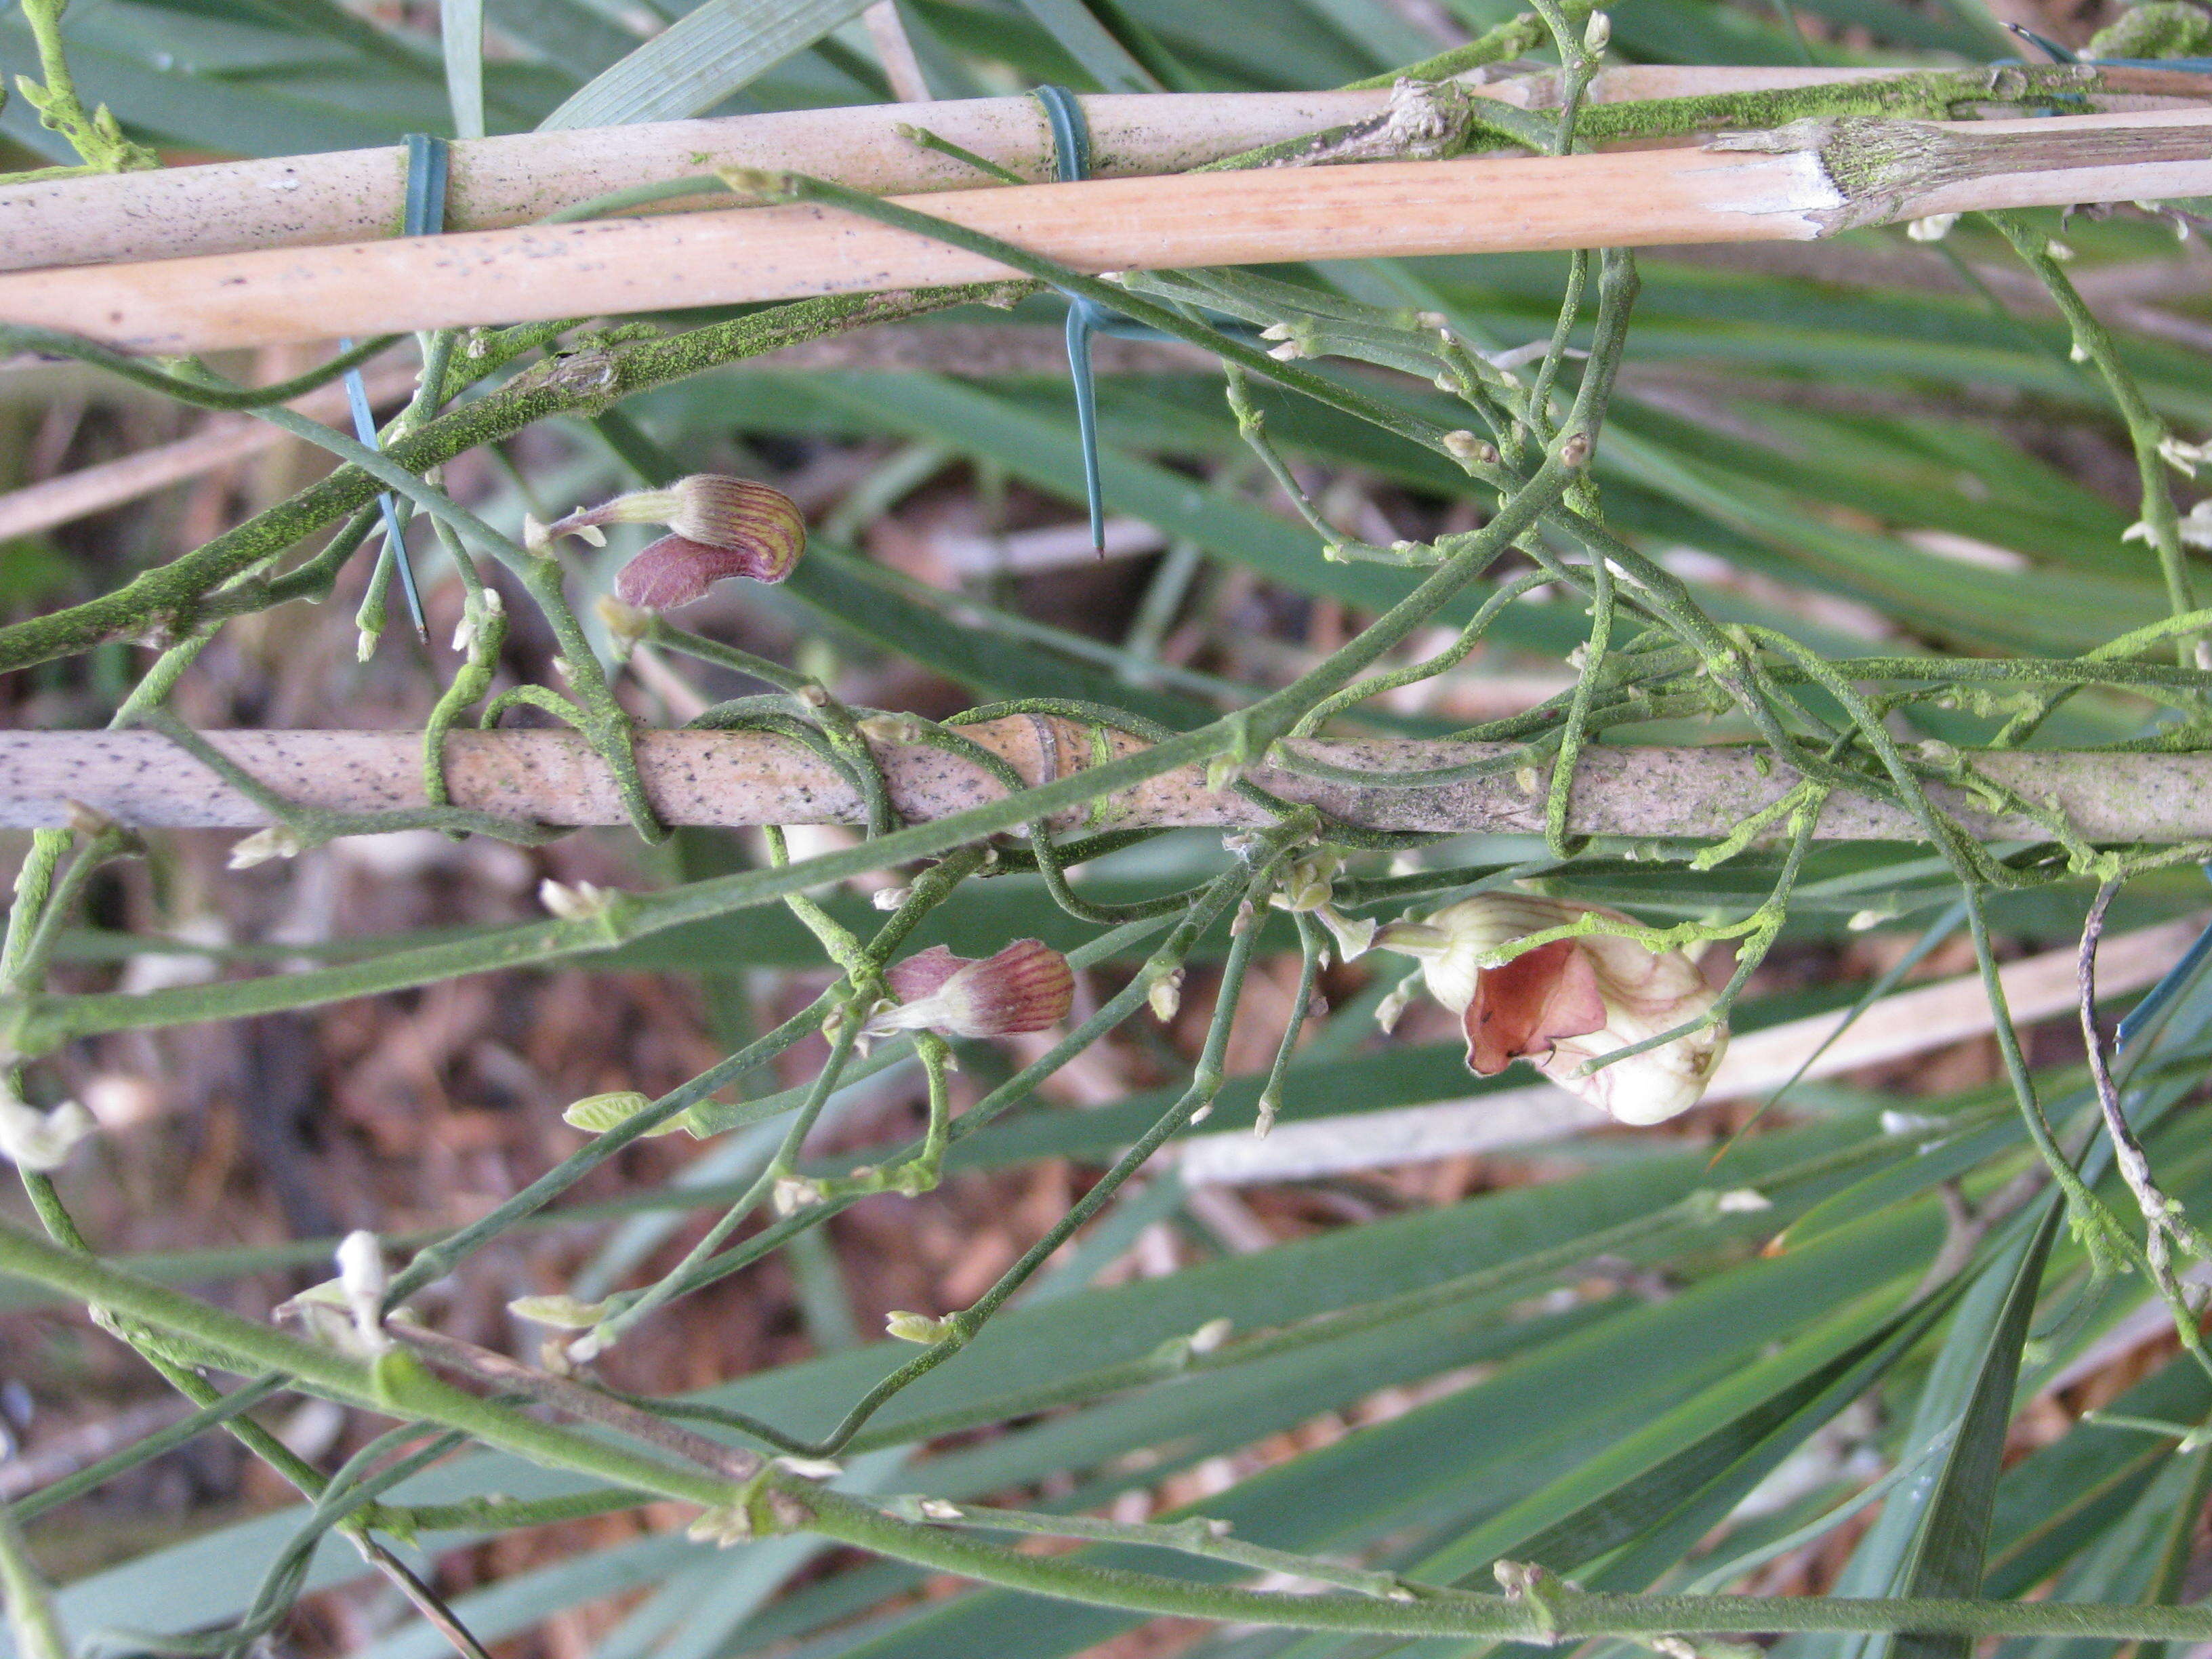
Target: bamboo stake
[(1796, 184), (729, 778), (224, 440), (357, 195)]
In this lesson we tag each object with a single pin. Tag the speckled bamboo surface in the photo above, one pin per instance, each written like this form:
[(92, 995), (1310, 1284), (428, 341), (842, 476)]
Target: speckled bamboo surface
[(732, 778), (344, 195), (1798, 183)]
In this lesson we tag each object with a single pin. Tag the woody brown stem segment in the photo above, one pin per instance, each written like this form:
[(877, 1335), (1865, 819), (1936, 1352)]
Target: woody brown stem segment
[(142, 780)]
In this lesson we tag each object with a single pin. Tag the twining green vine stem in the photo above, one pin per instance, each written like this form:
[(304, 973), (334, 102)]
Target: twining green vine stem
[(1541, 1609), (2147, 433), (34, 1025), (33, 1628), (94, 134), (1651, 652), (168, 598)]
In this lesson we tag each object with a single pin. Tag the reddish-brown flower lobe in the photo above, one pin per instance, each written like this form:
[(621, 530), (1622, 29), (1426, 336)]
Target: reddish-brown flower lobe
[(1522, 1009)]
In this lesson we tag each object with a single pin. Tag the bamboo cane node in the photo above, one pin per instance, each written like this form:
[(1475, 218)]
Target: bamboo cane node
[(1048, 751), (1424, 121)]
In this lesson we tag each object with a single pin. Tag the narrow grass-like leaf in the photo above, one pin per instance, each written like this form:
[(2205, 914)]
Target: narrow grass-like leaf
[(572, 36), (1085, 38), (460, 34), (701, 60), (1933, 1534), (2059, 1498)]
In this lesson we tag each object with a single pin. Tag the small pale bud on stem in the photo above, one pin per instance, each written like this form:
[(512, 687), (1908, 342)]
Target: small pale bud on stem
[(917, 1327), (1166, 996), (1469, 450), (39, 1142), (362, 1281)]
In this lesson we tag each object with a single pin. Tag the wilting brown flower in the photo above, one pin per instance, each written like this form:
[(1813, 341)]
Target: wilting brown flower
[(1568, 1002), (1025, 988), (720, 527)]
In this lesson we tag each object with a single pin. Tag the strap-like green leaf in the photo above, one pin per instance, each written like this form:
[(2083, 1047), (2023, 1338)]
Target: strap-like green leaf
[(460, 31), (1932, 1538), (1087, 40), (698, 61)]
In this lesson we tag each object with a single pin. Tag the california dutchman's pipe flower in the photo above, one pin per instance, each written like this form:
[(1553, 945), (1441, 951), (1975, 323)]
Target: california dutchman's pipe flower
[(1563, 1004), (1025, 988), (719, 527)]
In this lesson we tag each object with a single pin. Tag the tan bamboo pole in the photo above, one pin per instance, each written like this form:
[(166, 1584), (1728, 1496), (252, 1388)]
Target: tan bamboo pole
[(223, 441), (1796, 183), (349, 196), (729, 778)]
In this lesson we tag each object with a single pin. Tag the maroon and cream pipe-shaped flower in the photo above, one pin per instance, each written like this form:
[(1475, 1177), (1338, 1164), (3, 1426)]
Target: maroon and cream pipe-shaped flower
[(1025, 988), (1566, 1003), (719, 527)]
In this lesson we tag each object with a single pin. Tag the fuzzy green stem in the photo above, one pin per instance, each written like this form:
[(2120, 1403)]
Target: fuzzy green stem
[(34, 1025), (168, 599), (2146, 431), (398, 1384), (33, 1626)]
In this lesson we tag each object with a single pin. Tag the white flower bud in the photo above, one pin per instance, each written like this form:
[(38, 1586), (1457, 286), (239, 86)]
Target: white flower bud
[(561, 1313), (917, 1327), (278, 840), (362, 1281), (795, 1193), (1469, 450), (578, 903), (39, 1142), (1166, 995)]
